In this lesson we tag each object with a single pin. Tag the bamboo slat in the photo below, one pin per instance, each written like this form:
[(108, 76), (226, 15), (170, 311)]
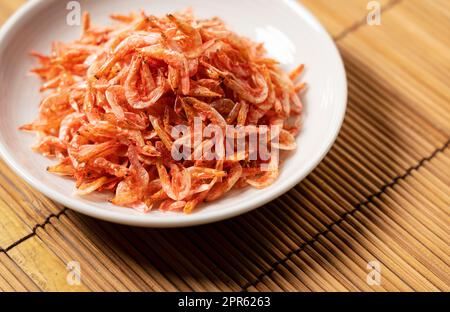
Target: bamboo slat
[(8, 7), (339, 16), (12, 278), (417, 68), (42, 266), (21, 208), (381, 194)]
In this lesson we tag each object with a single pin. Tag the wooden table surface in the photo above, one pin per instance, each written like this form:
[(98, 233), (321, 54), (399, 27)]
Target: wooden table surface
[(381, 196)]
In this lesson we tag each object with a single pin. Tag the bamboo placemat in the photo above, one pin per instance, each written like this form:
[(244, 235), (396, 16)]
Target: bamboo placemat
[(382, 193)]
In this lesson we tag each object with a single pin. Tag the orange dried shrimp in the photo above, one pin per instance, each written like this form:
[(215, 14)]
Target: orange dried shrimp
[(113, 96)]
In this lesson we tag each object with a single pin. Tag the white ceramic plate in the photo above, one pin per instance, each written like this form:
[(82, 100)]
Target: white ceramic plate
[(291, 34)]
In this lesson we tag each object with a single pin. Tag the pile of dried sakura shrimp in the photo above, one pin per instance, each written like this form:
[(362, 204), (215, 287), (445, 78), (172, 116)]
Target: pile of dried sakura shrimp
[(112, 97)]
